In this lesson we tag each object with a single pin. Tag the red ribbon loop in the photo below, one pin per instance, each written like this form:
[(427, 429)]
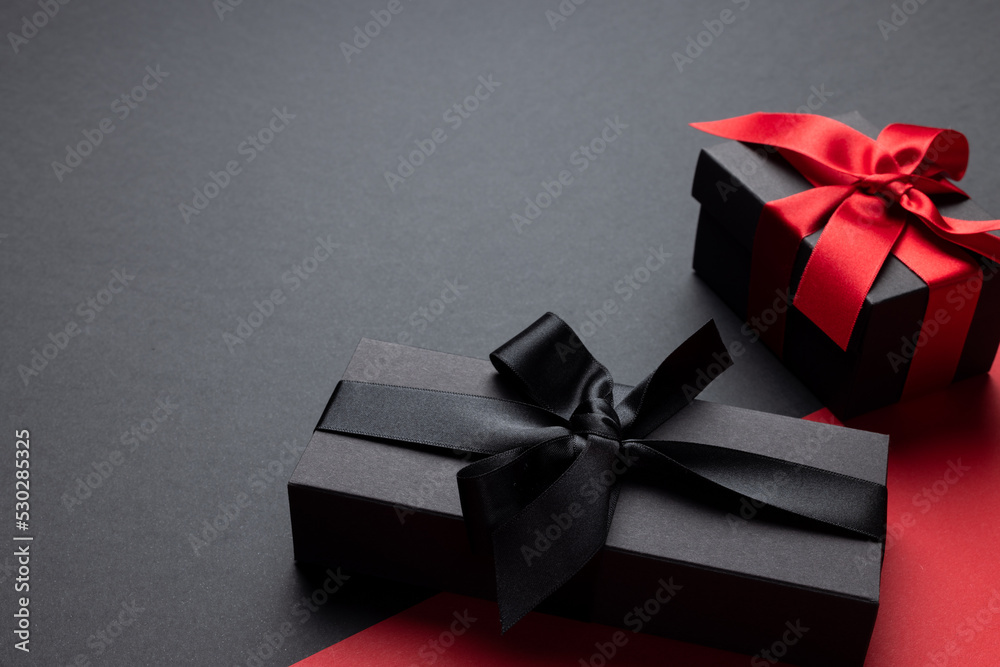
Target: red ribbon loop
[(871, 199)]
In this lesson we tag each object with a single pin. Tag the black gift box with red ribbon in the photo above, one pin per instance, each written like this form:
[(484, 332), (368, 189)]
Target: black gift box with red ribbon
[(956, 330)]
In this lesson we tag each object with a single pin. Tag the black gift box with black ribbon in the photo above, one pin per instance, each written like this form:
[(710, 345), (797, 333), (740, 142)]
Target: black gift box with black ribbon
[(719, 525)]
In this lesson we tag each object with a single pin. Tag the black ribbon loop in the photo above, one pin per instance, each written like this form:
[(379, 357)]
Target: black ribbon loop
[(558, 457)]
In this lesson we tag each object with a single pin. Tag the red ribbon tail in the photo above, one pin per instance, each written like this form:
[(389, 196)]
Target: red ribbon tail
[(782, 226)]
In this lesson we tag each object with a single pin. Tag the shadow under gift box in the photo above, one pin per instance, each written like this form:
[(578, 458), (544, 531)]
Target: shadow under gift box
[(732, 183), (738, 583)]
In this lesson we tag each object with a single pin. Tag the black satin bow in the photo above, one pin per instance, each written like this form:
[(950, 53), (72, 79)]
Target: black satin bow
[(557, 458)]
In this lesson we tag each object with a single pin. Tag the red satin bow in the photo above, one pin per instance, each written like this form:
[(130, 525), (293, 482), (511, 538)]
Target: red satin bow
[(871, 198)]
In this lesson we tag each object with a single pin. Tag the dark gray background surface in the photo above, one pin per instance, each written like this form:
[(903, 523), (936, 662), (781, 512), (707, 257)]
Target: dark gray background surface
[(163, 337)]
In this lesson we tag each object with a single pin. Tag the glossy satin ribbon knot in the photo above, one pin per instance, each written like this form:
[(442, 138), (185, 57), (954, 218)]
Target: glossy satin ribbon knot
[(558, 455), (871, 198)]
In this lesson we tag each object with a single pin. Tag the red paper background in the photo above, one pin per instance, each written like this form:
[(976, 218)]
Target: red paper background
[(940, 578)]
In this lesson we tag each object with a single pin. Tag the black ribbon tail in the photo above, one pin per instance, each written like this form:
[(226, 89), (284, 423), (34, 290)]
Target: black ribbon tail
[(543, 545), (675, 383), (494, 489), (849, 503)]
